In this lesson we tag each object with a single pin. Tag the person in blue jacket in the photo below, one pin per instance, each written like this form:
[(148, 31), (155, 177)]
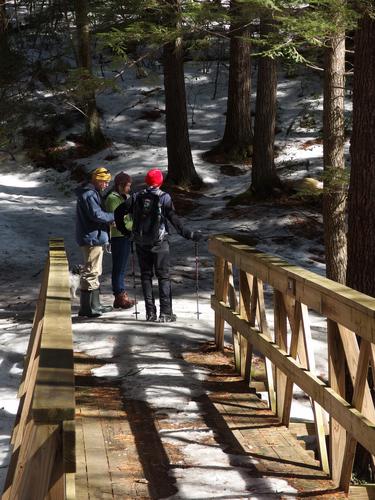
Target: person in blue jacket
[(92, 224), (153, 212)]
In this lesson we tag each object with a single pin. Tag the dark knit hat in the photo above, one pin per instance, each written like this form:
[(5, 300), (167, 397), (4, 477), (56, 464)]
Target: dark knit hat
[(154, 177), (122, 178)]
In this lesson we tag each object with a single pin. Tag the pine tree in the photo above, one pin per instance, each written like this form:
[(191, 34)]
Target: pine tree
[(161, 28), (94, 134), (181, 170), (361, 201), (334, 196), (237, 140), (3, 25), (264, 176)]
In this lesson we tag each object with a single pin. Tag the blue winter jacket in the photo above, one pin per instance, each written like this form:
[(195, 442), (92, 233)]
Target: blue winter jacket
[(91, 220)]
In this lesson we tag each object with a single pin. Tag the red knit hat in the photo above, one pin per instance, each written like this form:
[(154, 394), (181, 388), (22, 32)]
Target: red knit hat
[(154, 177)]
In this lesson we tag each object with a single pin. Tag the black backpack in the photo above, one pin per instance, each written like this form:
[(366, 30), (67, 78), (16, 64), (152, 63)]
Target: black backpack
[(148, 221)]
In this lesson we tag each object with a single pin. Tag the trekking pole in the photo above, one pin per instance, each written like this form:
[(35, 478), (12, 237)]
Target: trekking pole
[(134, 284), (197, 277)]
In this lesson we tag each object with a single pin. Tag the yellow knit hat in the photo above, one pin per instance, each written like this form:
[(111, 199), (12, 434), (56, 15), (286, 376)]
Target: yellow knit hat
[(101, 174)]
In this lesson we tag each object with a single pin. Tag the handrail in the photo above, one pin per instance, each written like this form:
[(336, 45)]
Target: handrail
[(43, 440), (287, 347), (54, 391)]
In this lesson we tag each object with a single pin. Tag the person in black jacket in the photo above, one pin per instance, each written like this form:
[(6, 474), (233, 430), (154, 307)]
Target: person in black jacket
[(152, 211)]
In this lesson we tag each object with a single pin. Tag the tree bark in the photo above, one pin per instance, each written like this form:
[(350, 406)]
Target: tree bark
[(94, 134), (264, 177), (361, 199), (334, 194), (3, 26), (181, 170), (237, 140)]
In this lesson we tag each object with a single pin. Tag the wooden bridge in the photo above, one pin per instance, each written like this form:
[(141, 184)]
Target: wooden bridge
[(77, 438)]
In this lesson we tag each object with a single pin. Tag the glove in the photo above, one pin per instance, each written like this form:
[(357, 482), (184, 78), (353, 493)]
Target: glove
[(196, 236)]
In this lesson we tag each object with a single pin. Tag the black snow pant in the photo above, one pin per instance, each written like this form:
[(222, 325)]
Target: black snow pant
[(157, 260)]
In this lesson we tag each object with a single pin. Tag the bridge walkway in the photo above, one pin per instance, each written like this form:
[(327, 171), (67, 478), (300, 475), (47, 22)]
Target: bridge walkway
[(121, 452)]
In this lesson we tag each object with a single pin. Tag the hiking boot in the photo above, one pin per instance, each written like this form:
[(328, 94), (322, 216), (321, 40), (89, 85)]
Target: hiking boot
[(151, 317), (167, 318), (95, 303), (122, 301), (87, 310)]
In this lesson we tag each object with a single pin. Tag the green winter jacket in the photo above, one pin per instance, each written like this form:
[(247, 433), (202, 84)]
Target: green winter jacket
[(112, 201)]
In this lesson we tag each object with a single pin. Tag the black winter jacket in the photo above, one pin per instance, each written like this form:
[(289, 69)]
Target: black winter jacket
[(167, 209)]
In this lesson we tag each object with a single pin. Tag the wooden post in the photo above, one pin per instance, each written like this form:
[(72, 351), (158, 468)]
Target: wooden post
[(263, 327), (294, 317), (233, 302), (358, 396), (246, 285), (317, 409), (336, 380), (282, 341), (221, 292)]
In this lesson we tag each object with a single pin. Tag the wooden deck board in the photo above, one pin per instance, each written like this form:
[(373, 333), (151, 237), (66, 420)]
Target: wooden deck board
[(276, 450), (99, 479), (121, 454), (81, 473)]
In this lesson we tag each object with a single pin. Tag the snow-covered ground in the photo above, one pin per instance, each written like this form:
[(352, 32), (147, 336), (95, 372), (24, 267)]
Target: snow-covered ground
[(38, 204)]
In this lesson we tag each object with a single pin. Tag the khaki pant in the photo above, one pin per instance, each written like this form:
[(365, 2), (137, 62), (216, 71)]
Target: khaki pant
[(93, 259)]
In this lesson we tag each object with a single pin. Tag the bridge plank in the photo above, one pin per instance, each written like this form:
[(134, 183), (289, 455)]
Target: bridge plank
[(98, 476), (82, 489), (274, 450)]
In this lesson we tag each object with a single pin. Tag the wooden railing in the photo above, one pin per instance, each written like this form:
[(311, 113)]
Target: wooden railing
[(43, 441), (287, 347)]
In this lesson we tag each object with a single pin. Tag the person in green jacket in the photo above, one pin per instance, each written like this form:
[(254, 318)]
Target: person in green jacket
[(120, 244)]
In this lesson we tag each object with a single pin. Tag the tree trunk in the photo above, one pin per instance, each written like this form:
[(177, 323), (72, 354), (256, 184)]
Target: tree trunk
[(334, 206), (361, 200), (94, 135), (181, 170), (334, 195), (3, 27), (264, 177), (237, 141)]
